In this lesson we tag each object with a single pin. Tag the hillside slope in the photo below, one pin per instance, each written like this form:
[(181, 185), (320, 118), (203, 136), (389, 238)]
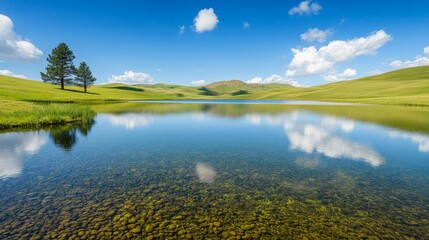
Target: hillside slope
[(405, 86)]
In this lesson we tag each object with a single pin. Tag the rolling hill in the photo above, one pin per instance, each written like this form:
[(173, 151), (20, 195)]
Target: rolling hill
[(404, 87)]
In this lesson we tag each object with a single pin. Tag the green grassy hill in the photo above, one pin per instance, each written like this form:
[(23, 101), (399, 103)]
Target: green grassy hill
[(406, 86)]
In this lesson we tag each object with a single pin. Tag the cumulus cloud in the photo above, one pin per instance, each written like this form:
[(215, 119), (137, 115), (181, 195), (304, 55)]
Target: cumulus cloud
[(14, 147), (246, 25), (418, 61), (306, 8), (130, 121), (345, 75), (311, 61), (10, 73), (206, 20), (317, 35), (198, 82), (206, 173), (12, 47), (130, 77), (182, 29), (273, 79)]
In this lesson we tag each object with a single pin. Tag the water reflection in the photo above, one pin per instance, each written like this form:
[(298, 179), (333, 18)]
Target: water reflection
[(130, 120), (344, 124), (421, 140), (66, 136), (206, 173), (311, 138), (311, 134), (13, 148)]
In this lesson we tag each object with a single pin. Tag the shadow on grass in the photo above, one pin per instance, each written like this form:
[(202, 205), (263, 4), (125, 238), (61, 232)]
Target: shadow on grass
[(207, 92), (77, 91), (127, 88), (240, 92)]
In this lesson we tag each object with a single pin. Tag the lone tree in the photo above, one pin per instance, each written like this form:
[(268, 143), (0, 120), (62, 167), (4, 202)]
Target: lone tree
[(60, 66), (84, 76)]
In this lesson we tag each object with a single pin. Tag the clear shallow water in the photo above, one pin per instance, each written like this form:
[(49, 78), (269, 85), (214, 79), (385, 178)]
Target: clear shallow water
[(215, 171), (271, 102)]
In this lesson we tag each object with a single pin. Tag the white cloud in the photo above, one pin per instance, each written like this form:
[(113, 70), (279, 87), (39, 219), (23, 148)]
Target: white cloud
[(345, 75), (206, 20), (206, 173), (312, 61), (246, 25), (10, 73), (306, 8), (182, 29), (158, 70), (130, 77), (198, 82), (419, 61), (12, 47), (315, 34), (130, 121), (273, 79)]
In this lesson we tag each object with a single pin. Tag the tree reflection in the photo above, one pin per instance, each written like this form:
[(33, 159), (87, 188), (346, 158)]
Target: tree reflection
[(66, 136)]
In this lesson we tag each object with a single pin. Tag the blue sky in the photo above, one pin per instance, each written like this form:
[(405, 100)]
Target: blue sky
[(200, 41)]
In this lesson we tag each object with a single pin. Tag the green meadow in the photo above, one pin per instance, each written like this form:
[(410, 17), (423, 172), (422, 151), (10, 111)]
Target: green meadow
[(29, 103)]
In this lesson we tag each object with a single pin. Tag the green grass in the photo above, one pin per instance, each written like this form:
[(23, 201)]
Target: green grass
[(20, 99), (18, 114), (402, 87)]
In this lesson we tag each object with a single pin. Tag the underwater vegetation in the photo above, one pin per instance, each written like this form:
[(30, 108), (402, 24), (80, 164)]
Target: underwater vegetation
[(168, 198), (201, 171)]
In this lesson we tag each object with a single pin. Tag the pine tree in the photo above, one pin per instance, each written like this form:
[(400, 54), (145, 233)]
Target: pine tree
[(60, 66), (84, 76)]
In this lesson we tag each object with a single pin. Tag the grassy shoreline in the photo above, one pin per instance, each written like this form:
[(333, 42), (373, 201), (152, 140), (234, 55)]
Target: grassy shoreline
[(20, 114), (32, 104)]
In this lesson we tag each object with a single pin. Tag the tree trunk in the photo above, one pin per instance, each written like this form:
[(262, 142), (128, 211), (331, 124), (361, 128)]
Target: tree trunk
[(62, 83), (84, 86)]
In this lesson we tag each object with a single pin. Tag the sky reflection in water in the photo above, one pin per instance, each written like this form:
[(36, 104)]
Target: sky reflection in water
[(288, 167), (16, 146)]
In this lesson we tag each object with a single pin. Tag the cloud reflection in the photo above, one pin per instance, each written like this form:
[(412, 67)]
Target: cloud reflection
[(206, 173), (14, 146), (421, 140), (311, 138), (270, 120), (344, 124), (130, 121), (311, 134)]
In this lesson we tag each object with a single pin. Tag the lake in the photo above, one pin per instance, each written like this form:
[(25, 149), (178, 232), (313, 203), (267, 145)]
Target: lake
[(202, 170)]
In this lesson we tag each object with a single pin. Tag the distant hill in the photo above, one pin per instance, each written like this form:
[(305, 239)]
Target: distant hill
[(229, 83), (405, 86)]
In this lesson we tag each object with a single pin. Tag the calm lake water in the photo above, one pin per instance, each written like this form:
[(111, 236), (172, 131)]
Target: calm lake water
[(220, 171)]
